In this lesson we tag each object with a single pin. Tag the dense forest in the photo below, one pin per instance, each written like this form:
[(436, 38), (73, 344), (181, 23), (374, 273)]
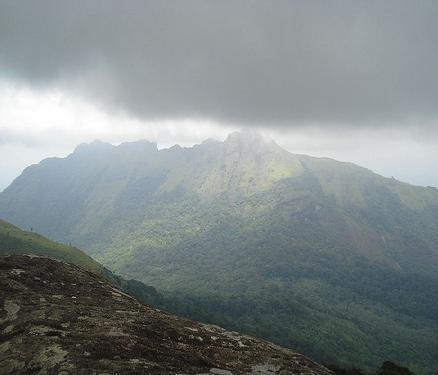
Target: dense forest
[(14, 241)]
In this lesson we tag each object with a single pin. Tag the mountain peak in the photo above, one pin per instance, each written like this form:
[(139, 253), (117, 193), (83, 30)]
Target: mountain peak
[(209, 141), (248, 136), (96, 145), (251, 141), (138, 146)]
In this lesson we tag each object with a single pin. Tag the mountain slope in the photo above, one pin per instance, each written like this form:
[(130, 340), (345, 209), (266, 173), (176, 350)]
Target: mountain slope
[(319, 255), (14, 241), (58, 318)]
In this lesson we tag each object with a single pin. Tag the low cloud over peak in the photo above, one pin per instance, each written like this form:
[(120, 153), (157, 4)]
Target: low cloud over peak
[(353, 80), (281, 64)]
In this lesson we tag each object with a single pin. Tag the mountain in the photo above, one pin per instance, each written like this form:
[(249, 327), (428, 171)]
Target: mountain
[(319, 255), (59, 318)]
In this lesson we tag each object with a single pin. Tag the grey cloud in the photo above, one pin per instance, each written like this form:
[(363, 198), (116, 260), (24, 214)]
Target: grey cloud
[(244, 62)]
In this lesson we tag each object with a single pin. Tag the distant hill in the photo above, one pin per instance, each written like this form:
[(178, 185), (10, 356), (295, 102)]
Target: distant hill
[(323, 256)]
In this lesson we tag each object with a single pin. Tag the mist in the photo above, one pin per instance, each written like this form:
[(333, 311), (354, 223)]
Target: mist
[(355, 81)]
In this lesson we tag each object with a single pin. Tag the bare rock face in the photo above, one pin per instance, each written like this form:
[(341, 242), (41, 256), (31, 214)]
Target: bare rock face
[(56, 318)]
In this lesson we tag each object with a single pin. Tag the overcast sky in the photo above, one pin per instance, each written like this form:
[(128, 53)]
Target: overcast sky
[(353, 80)]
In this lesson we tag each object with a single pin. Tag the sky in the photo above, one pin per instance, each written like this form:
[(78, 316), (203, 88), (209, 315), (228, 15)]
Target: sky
[(352, 80)]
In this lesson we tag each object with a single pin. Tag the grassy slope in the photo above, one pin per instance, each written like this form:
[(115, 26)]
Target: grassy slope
[(13, 240)]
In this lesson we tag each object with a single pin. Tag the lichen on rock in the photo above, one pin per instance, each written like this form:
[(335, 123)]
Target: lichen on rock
[(104, 331)]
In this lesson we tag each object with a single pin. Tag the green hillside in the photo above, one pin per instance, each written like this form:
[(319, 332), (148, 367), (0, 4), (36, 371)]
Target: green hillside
[(16, 241), (326, 257)]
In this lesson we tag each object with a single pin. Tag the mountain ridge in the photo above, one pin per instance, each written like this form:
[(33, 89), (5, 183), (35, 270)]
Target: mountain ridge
[(224, 225)]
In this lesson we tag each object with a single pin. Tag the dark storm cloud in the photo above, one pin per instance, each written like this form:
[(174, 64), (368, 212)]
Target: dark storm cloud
[(246, 62)]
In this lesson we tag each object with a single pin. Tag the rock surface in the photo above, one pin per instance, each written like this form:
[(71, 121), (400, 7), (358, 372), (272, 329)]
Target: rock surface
[(56, 318)]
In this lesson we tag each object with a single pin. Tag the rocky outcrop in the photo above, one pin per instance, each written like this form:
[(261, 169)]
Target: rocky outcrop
[(56, 318)]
